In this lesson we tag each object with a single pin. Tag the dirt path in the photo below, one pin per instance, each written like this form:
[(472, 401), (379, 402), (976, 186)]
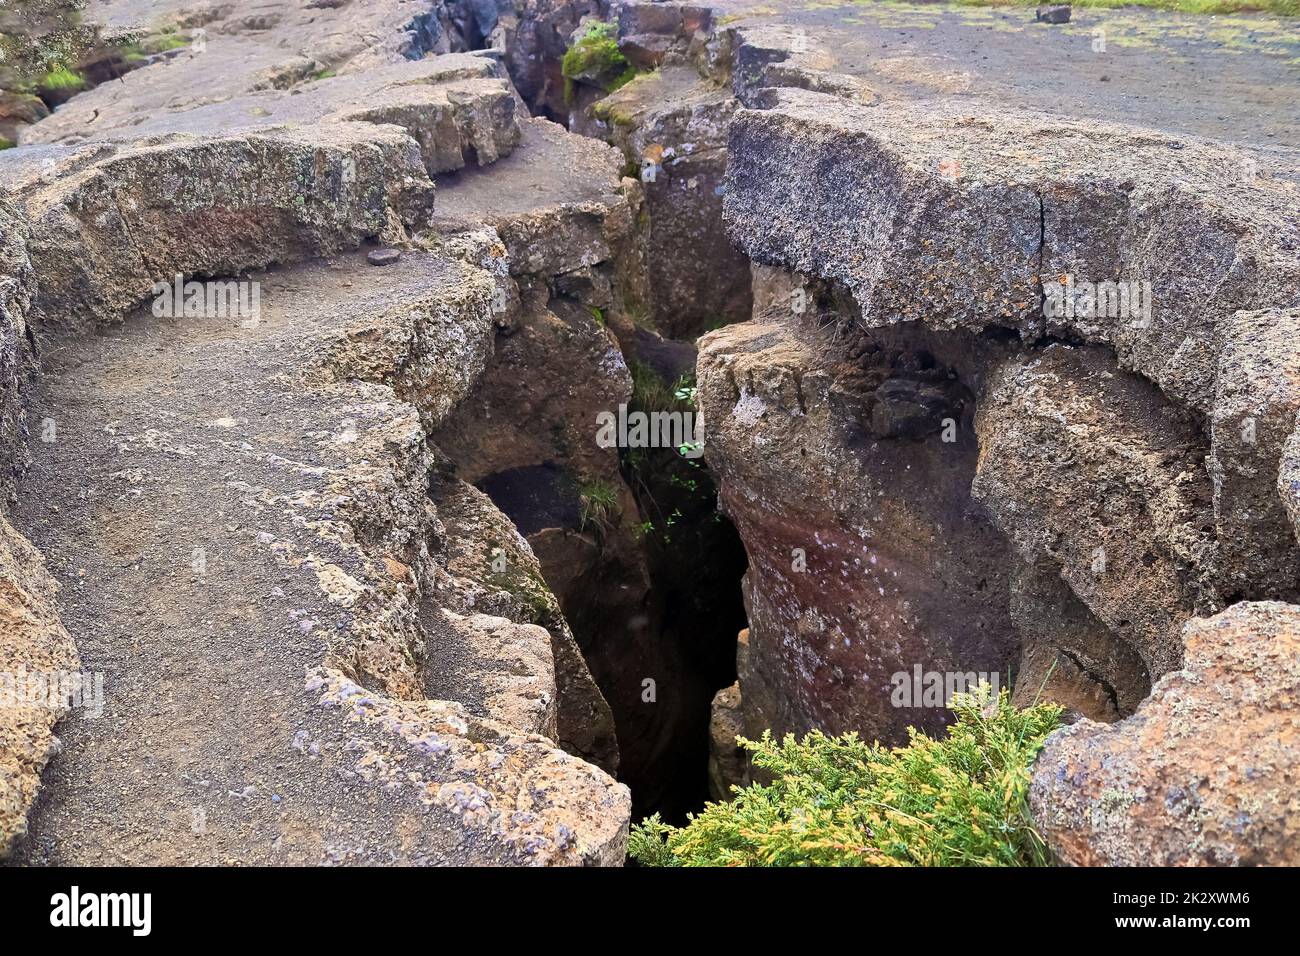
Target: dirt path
[(190, 474)]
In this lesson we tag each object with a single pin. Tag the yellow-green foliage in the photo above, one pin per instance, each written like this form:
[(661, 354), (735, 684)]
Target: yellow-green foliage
[(62, 78), (837, 801)]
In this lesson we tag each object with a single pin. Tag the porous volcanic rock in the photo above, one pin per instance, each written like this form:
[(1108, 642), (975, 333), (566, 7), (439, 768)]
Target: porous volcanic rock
[(848, 479), (927, 213), (1090, 472), (1204, 773), (672, 127), (36, 652), (109, 222)]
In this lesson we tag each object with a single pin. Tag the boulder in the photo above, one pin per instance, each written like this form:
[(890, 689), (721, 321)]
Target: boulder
[(1204, 773)]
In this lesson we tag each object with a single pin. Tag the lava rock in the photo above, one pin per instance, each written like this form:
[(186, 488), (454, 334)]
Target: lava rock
[(1055, 13), (1203, 773), (383, 257)]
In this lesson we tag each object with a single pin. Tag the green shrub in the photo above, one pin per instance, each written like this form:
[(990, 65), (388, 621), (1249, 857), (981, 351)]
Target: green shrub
[(836, 801)]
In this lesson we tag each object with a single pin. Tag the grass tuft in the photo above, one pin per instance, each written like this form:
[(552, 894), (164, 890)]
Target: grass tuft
[(62, 78), (599, 502)]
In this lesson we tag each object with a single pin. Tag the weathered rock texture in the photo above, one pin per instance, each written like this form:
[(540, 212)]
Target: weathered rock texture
[(107, 223), (456, 107), (867, 556), (672, 127), (932, 215), (527, 434), (1093, 475), (1108, 473), (33, 648), (1203, 773)]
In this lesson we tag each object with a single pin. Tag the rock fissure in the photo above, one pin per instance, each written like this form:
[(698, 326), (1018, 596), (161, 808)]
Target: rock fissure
[(368, 589)]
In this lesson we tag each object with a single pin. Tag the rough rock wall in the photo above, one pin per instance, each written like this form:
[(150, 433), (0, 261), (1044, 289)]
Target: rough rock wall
[(1204, 772), (1119, 467), (527, 433), (671, 123), (867, 555)]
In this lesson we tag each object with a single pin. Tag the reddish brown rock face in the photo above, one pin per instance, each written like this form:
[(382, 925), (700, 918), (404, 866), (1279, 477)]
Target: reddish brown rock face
[(869, 559)]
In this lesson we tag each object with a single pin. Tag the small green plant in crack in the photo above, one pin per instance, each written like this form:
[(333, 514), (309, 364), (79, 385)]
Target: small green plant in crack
[(651, 393), (958, 800), (599, 505)]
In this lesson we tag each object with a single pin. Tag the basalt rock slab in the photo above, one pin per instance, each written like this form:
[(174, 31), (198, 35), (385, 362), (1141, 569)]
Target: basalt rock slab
[(16, 287), (456, 107), (558, 202), (297, 503), (1204, 773), (36, 655), (236, 48), (1257, 396), (108, 222), (1089, 471), (491, 567), (930, 214)]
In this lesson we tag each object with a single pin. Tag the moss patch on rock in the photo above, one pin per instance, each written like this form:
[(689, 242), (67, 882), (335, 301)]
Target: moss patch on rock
[(595, 59)]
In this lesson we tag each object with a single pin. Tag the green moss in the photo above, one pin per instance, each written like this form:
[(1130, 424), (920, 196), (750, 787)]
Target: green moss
[(7, 143), (595, 58), (837, 801)]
